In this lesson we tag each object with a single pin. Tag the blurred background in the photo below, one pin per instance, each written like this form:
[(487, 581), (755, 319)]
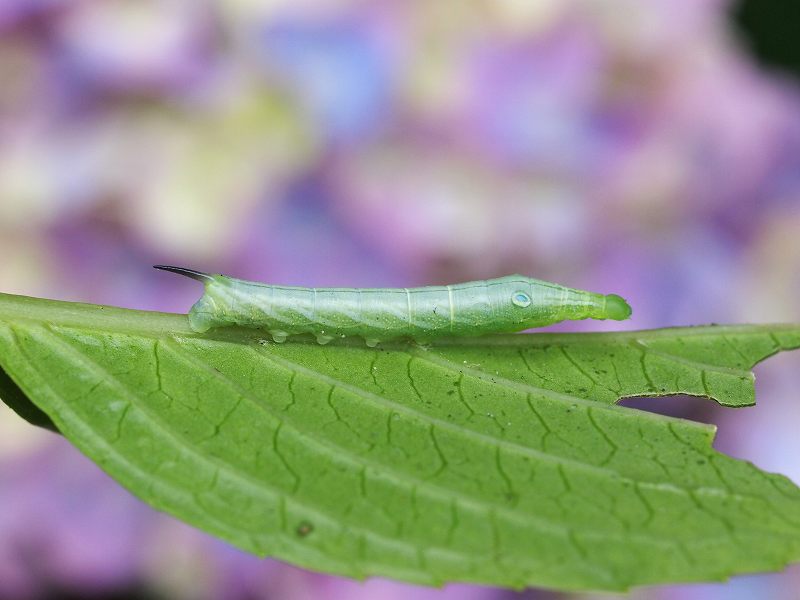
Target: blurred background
[(650, 149)]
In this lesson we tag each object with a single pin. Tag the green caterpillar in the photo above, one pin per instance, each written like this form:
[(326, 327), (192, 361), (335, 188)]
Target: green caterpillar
[(502, 305)]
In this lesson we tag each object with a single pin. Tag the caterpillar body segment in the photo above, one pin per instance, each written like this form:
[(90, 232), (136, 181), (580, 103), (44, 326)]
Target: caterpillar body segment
[(501, 305)]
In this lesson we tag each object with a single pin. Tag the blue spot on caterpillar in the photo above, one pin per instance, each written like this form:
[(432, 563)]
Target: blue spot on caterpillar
[(501, 305)]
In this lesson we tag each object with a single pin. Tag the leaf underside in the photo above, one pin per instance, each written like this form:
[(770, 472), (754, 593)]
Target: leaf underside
[(501, 460)]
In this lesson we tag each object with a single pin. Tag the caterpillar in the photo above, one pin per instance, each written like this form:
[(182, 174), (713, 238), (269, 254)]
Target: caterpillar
[(502, 305)]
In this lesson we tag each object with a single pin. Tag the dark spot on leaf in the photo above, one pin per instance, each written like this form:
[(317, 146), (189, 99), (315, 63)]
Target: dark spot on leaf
[(304, 528)]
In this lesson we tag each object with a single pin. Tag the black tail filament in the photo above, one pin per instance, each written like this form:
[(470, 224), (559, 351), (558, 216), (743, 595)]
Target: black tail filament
[(190, 273)]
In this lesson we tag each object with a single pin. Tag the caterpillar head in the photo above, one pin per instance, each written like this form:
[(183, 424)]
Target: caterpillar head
[(616, 308)]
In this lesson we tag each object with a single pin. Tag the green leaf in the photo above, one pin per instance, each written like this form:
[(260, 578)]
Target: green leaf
[(500, 460), (16, 399)]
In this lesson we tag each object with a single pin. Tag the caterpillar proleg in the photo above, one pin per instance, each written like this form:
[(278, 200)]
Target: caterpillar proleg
[(501, 305)]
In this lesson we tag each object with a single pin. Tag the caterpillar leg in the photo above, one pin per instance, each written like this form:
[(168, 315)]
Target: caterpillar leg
[(278, 336), (371, 342), (323, 339)]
